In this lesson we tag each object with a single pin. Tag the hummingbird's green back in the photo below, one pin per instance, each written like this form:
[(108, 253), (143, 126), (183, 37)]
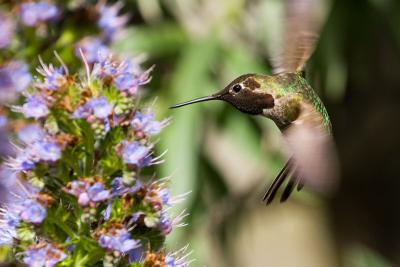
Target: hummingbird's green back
[(291, 91)]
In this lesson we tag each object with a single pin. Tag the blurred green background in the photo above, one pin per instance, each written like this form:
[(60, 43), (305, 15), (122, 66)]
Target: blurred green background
[(226, 158)]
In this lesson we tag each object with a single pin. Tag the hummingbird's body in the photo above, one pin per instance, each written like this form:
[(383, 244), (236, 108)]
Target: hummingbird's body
[(290, 92), (288, 99)]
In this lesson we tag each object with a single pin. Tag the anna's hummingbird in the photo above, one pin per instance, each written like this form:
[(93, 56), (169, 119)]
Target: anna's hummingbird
[(287, 98)]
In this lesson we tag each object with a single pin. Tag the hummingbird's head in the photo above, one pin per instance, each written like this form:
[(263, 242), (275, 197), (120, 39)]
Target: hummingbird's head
[(243, 93)]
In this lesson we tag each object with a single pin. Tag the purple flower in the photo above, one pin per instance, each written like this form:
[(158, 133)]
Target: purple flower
[(35, 107), (101, 107), (136, 255), (107, 211), (97, 193), (98, 107), (37, 147), (46, 150), (146, 124), (32, 212), (82, 112), (127, 82), (3, 121), (32, 13), (164, 195), (165, 224), (43, 256), (109, 21), (10, 219), (136, 154), (7, 30), (171, 261), (87, 193), (135, 216), (54, 78), (7, 235), (14, 78), (118, 240), (118, 188), (31, 133), (107, 66), (8, 223), (92, 48), (19, 75), (21, 162), (130, 79)]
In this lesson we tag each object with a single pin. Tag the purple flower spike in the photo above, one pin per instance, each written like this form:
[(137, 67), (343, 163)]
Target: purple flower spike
[(32, 13), (136, 154), (35, 107), (32, 212)]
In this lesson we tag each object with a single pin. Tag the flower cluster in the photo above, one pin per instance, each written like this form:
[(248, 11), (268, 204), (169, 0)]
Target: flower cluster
[(77, 185), (76, 194), (40, 23), (36, 145)]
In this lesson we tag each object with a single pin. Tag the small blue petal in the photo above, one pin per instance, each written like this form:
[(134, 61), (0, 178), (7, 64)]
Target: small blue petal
[(136, 154)]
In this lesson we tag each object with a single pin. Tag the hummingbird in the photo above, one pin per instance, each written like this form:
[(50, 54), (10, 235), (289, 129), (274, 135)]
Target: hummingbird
[(288, 100)]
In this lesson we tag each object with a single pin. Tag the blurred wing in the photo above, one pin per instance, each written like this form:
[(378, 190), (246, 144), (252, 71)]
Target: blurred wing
[(313, 151), (300, 34)]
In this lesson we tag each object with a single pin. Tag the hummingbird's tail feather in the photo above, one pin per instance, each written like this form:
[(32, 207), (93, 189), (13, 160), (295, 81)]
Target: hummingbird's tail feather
[(300, 185), (294, 180), (276, 184)]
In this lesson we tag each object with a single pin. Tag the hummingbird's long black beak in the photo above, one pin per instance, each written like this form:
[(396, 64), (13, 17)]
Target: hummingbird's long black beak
[(196, 100)]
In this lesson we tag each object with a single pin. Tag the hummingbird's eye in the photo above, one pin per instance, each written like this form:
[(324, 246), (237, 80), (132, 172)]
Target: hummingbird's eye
[(236, 88)]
